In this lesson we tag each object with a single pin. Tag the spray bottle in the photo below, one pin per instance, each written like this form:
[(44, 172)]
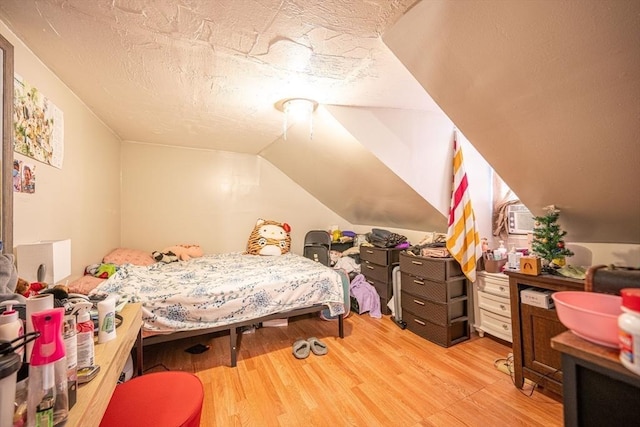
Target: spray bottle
[(47, 401), (84, 327), (10, 324)]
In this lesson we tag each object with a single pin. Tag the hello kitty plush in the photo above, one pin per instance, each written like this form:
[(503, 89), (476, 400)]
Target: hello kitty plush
[(269, 238)]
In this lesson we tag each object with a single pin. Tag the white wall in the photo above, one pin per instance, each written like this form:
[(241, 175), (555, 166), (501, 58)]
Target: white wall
[(212, 198), (81, 201), (417, 146)]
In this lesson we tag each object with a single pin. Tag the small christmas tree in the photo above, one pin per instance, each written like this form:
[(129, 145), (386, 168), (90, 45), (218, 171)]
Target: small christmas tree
[(548, 241)]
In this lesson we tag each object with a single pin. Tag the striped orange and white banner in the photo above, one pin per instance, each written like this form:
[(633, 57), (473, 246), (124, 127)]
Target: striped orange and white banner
[(463, 241)]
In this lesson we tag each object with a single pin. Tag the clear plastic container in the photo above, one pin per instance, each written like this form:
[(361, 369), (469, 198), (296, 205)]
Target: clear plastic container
[(629, 328)]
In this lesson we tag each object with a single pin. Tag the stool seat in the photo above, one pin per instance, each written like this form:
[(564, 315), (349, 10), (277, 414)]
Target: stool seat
[(160, 399)]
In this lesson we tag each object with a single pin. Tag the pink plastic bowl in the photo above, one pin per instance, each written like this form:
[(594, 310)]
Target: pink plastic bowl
[(590, 315)]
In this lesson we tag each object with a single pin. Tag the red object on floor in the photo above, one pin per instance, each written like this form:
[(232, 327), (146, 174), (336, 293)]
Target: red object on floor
[(161, 399)]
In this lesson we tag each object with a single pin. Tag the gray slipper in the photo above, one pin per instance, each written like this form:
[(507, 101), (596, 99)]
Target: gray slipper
[(317, 347), (301, 349)]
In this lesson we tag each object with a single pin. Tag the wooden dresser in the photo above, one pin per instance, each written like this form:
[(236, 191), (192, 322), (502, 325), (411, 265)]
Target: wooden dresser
[(435, 298), (376, 264), (533, 327), (493, 305)]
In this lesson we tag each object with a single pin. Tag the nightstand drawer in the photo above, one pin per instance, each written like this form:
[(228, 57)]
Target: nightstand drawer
[(380, 256), (436, 291), (496, 325), (440, 269), (495, 304)]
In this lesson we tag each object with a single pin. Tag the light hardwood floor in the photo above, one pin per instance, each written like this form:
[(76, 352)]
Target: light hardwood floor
[(378, 375)]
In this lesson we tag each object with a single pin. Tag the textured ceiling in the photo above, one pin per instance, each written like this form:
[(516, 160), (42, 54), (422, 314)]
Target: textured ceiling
[(206, 73)]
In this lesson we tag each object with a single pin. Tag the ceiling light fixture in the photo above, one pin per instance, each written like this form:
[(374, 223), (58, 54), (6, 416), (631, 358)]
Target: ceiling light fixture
[(297, 110)]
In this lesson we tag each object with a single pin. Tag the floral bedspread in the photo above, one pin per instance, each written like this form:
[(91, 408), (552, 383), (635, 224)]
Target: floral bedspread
[(222, 289)]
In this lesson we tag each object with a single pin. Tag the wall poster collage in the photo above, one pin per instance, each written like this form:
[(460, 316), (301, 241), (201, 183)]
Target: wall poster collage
[(39, 134)]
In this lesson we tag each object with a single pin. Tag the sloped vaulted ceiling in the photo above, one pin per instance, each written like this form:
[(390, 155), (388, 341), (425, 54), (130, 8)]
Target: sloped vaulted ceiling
[(548, 92), (207, 74)]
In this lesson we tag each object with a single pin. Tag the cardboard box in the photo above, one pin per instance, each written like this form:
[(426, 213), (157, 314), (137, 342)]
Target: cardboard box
[(537, 297), (530, 265)]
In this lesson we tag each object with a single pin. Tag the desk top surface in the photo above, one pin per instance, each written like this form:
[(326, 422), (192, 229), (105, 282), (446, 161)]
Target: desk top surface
[(93, 397), (606, 357)]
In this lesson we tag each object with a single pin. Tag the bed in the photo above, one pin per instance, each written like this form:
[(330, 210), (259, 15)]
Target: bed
[(225, 292)]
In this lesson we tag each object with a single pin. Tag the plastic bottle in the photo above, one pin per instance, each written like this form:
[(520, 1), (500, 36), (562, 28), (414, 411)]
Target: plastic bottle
[(107, 319), (501, 252), (69, 334), (47, 401), (629, 329), (84, 327), (10, 324)]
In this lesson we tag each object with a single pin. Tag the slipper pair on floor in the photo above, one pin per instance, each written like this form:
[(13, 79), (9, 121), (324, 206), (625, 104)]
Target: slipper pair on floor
[(302, 348)]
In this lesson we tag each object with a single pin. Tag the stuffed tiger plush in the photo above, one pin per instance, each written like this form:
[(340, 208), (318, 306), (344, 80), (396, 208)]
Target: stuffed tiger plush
[(269, 238)]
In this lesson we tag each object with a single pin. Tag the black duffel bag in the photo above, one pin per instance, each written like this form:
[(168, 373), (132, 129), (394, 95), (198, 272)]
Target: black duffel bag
[(384, 238)]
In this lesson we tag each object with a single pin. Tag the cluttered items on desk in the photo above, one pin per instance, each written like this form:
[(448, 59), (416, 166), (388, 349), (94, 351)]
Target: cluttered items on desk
[(59, 346), (499, 259)]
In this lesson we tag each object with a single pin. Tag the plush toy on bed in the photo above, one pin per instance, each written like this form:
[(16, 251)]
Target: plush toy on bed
[(185, 252), (269, 238), (165, 257)]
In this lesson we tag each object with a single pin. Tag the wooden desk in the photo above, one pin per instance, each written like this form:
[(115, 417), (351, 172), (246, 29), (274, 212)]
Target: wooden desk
[(598, 390), (93, 397), (533, 328)]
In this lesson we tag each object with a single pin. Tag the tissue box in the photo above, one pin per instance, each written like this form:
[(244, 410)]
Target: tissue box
[(530, 265)]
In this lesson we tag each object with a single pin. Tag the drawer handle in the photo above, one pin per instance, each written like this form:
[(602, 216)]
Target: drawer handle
[(504, 326), (501, 288), (369, 252), (418, 302), (370, 268), (416, 262), (418, 282), (503, 307), (419, 322)]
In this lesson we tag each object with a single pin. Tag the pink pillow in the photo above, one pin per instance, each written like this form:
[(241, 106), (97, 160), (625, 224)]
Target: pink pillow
[(84, 285), (120, 256)]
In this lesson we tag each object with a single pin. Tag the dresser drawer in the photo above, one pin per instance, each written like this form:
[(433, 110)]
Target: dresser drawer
[(444, 336), (494, 304), (435, 312), (496, 325), (380, 256), (378, 272), (493, 285), (384, 290), (438, 269), (435, 291)]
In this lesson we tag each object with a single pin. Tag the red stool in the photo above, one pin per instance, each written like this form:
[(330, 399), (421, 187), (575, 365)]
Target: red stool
[(161, 399)]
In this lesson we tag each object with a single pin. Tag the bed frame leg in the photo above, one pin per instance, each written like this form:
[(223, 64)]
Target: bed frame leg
[(341, 325), (233, 341)]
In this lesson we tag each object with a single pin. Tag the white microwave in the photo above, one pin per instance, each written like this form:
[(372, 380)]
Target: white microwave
[(520, 219)]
